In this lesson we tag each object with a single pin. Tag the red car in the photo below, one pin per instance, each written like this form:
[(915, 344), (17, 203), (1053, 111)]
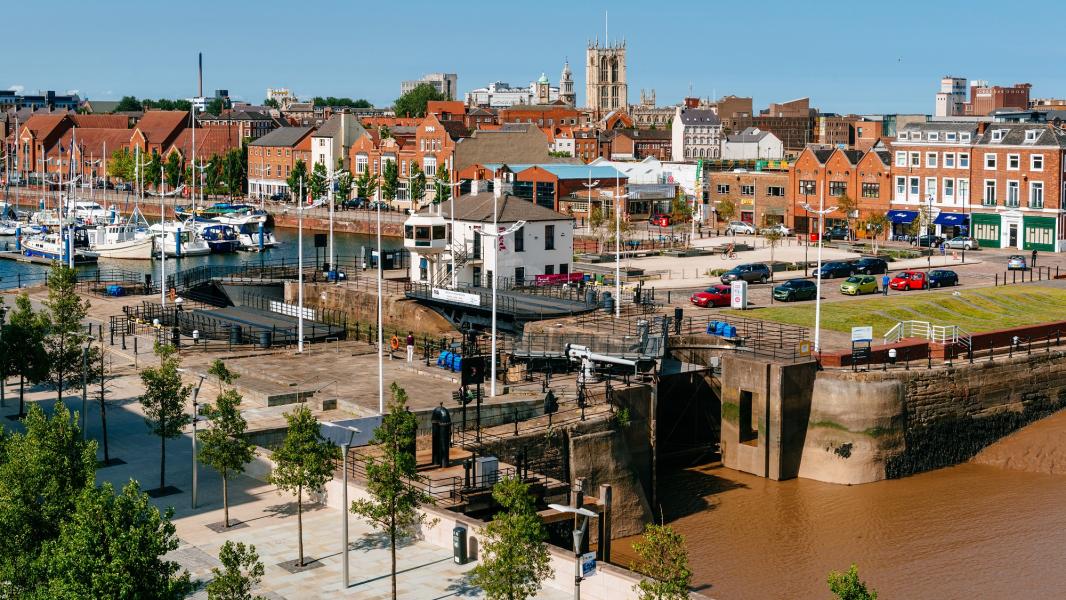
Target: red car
[(909, 280), (716, 295)]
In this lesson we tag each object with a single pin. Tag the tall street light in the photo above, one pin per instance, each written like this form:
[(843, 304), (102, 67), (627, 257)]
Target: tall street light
[(496, 234), (195, 418), (300, 265), (821, 212), (588, 186), (579, 534), (330, 181), (619, 199)]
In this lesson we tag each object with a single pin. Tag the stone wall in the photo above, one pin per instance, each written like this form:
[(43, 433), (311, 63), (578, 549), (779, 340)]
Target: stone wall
[(869, 426), (361, 306)]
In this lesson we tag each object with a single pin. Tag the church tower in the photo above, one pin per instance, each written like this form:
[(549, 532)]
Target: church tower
[(605, 77), (543, 90), (566, 86)]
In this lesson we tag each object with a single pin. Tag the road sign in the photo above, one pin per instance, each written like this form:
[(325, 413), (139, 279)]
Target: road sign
[(804, 348), (588, 564), (862, 334)]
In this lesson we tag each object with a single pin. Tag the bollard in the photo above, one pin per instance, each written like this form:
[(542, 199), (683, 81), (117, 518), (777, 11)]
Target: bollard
[(134, 346), (123, 339), (996, 283)]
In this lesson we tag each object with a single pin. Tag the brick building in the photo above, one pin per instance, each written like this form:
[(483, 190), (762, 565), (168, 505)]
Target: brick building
[(541, 115), (157, 130), (759, 197), (272, 157), (865, 177), (638, 144)]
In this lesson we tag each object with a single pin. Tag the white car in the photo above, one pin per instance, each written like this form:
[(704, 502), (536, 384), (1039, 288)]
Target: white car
[(961, 243), (778, 228), (740, 227)]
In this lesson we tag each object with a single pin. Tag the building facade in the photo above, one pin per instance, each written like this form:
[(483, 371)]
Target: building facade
[(605, 77), (825, 175), (696, 134), (758, 197), (752, 144), (445, 83), (272, 157)]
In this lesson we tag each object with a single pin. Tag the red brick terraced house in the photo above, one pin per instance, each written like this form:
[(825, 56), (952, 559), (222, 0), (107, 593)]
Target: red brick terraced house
[(272, 157), (862, 176)]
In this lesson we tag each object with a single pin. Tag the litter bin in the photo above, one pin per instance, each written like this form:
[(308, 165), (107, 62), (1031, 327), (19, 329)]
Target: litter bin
[(459, 545), (679, 313), (265, 338), (608, 302), (235, 334)]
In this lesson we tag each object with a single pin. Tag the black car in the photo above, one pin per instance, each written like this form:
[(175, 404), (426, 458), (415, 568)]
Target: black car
[(279, 196), (942, 278), (752, 272), (796, 289), (837, 269), (870, 266), (354, 203), (928, 241), (836, 233)]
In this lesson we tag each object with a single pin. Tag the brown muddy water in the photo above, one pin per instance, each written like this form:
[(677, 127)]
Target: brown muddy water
[(970, 531)]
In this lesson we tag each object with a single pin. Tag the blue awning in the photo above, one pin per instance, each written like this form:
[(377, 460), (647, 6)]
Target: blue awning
[(902, 216), (951, 219)]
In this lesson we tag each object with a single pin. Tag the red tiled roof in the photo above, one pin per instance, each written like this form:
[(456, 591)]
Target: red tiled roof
[(93, 140), (209, 142), (43, 125), (159, 125), (101, 121)]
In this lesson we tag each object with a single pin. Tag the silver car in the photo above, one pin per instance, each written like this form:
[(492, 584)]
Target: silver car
[(740, 227), (961, 243), (1016, 262)]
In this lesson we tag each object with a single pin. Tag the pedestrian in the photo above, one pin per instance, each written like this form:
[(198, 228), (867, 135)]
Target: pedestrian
[(884, 284), (410, 347), (1034, 258)]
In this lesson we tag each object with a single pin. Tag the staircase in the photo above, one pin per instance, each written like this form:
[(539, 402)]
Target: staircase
[(443, 276)]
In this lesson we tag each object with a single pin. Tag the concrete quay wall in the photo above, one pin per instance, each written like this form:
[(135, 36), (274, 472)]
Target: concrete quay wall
[(399, 312), (865, 427)]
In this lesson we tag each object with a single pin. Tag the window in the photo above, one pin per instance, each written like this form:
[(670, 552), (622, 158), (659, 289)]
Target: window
[(321, 142), (807, 187), (997, 135), (930, 160), (914, 187), (871, 190), (838, 188), (360, 163), (519, 275), (930, 188), (964, 160), (963, 191), (1031, 135), (949, 189), (904, 135), (951, 136), (1014, 162), (933, 136), (964, 137), (549, 269), (990, 161), (901, 187), (1013, 193), (1036, 162), (1036, 194), (549, 237), (723, 189), (564, 268), (775, 190), (989, 199), (901, 159), (429, 166), (949, 160), (520, 240), (916, 159), (747, 190)]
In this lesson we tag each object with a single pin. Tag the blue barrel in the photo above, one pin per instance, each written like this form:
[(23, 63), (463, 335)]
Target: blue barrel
[(115, 290), (719, 328), (730, 331), (444, 359), (457, 363), (711, 327), (608, 302), (235, 336), (264, 338)]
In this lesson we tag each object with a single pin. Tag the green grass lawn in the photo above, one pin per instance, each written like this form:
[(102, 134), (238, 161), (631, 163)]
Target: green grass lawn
[(974, 310)]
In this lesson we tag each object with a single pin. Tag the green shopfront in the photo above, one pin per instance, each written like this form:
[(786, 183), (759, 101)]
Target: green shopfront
[(1012, 229)]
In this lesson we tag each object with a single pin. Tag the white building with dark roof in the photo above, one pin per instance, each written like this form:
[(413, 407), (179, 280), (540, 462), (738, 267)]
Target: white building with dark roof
[(696, 134), (752, 144)]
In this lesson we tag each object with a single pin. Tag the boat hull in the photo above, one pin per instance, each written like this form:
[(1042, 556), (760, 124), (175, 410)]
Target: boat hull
[(131, 249)]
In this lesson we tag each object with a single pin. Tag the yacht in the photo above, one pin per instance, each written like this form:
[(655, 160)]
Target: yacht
[(248, 235), (91, 213), (221, 238), (12, 227), (178, 239), (51, 246), (120, 240), (247, 216), (46, 217)]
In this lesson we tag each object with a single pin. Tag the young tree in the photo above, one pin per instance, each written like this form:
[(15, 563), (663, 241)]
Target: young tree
[(241, 572), (101, 377), (413, 103), (304, 461), (153, 172), (393, 504), (221, 372), (64, 311), (514, 558), (847, 205), (164, 402), (417, 184), (877, 224), (25, 335), (298, 174), (344, 187), (663, 560), (42, 473), (233, 172), (366, 184), (173, 170), (316, 185), (213, 174), (390, 181), (848, 586), (773, 238), (120, 165), (727, 209), (441, 188), (223, 447), (112, 546)]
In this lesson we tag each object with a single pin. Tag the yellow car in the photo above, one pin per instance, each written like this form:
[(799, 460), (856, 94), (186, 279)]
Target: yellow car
[(859, 284)]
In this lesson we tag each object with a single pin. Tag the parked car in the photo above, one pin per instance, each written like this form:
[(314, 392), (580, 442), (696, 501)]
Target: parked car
[(354, 203), (716, 295), (909, 280), (870, 266), (859, 284), (961, 242), (928, 241), (942, 278), (837, 233), (752, 272), (796, 289), (778, 228), (740, 227), (1016, 262), (279, 196), (660, 220), (837, 269), (124, 186)]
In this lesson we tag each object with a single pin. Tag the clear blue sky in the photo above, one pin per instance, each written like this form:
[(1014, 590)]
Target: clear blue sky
[(847, 56)]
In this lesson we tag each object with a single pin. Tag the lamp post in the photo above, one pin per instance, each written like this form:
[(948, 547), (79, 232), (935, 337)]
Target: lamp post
[(495, 234), (3, 367), (588, 186), (579, 534), (300, 265), (330, 181), (618, 200), (807, 190), (821, 212)]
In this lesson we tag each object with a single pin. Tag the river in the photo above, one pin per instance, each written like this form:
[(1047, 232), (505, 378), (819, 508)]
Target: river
[(347, 246), (969, 531)]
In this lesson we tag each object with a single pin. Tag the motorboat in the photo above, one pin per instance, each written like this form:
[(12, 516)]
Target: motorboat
[(221, 238), (120, 240), (92, 213), (46, 217), (249, 236), (248, 216), (12, 227), (177, 238), (51, 246)]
